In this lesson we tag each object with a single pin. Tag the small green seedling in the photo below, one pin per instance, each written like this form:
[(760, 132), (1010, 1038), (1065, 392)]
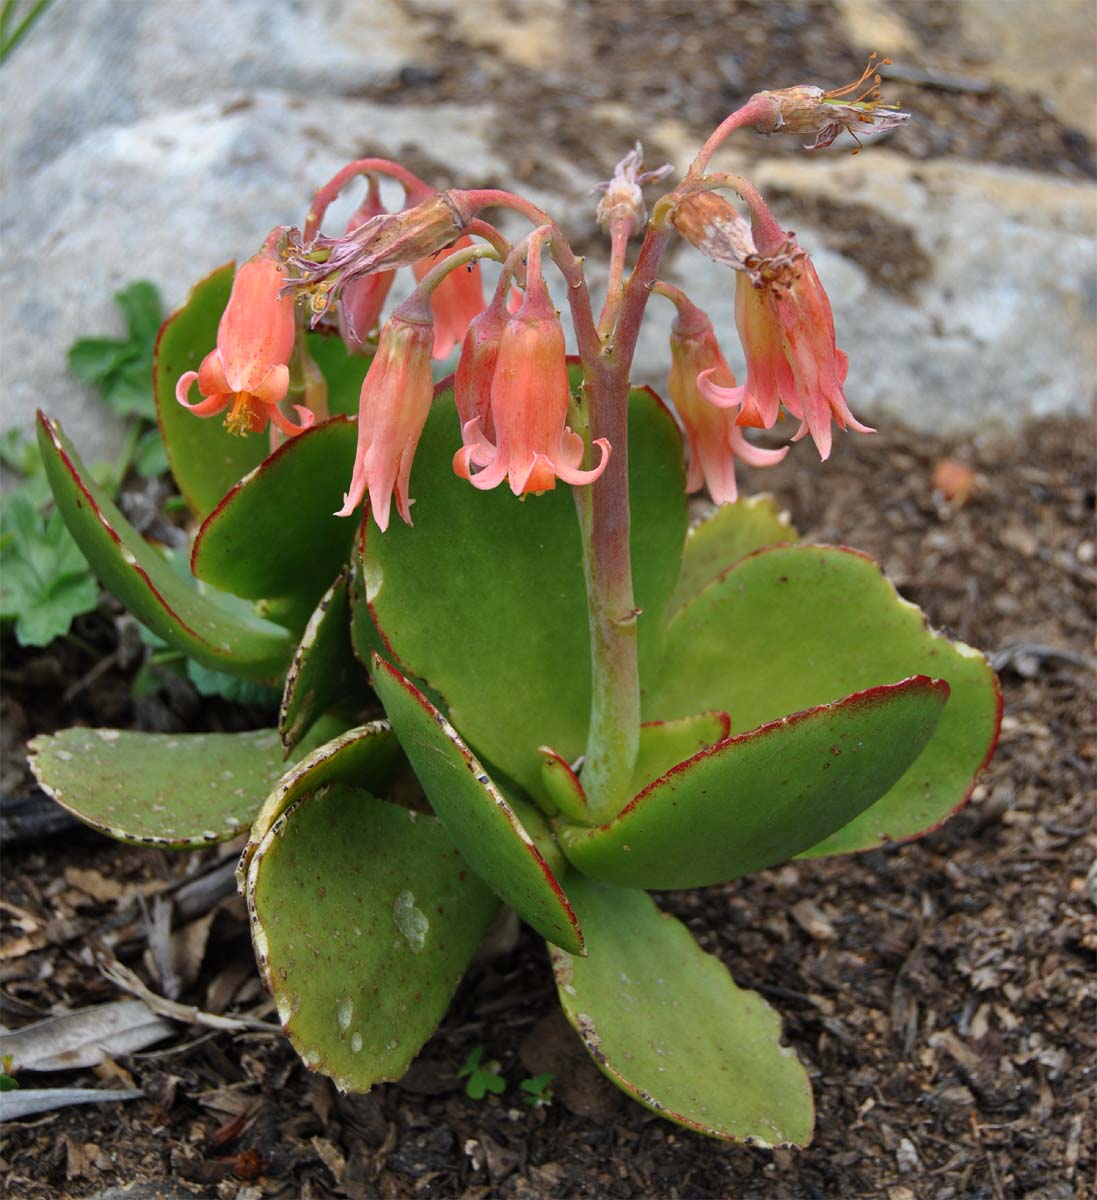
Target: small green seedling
[(481, 1077), (536, 1089)]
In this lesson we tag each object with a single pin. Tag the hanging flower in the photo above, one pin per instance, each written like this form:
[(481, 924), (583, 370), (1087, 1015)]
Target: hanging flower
[(476, 366), (392, 410), (787, 330), (247, 372), (455, 301), (359, 307), (714, 439), (530, 390)]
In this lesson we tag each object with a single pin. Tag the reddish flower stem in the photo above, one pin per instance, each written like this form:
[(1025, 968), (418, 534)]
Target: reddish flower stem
[(411, 183), (760, 111)]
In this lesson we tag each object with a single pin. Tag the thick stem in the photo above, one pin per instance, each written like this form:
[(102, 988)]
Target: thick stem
[(614, 735)]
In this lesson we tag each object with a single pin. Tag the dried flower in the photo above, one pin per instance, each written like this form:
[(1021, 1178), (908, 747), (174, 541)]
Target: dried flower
[(325, 266), (362, 300), (622, 199), (812, 111)]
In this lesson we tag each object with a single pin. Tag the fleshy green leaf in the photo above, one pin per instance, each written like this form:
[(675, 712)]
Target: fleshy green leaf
[(145, 582), (668, 1025), (664, 744), (762, 797), (364, 918), (205, 459), (728, 534), (792, 627), (174, 790), (274, 534), (324, 673), (451, 595), (44, 580), (364, 757), (503, 838)]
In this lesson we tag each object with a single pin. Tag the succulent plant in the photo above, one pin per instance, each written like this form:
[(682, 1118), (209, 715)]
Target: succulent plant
[(585, 699)]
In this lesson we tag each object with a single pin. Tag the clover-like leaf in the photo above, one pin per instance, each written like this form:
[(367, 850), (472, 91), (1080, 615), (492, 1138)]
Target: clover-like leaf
[(495, 567), (792, 627), (364, 917), (759, 798), (503, 838), (667, 1024), (175, 790), (274, 533), (44, 579), (147, 584)]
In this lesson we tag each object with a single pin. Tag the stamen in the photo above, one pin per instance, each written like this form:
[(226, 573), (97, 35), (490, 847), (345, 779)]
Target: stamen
[(874, 63), (240, 419)]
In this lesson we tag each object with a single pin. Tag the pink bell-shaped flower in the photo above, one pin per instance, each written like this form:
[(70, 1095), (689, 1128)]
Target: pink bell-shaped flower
[(392, 410), (787, 330), (715, 441), (455, 301), (530, 390), (247, 372)]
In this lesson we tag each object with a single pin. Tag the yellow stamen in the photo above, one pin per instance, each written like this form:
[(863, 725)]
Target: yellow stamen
[(239, 419)]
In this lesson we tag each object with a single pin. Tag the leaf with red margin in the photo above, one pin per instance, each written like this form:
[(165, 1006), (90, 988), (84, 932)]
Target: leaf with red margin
[(144, 581), (367, 756), (668, 1025), (792, 627), (730, 533), (504, 839), (274, 534), (324, 674), (363, 917), (760, 798)]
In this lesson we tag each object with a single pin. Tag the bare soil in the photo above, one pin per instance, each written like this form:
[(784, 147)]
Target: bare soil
[(941, 993)]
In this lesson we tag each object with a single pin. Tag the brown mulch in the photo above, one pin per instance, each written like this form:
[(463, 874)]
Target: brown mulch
[(940, 993)]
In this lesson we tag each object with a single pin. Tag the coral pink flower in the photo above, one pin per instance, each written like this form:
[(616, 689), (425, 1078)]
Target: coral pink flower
[(715, 441), (530, 391), (455, 301), (787, 330), (247, 372), (392, 410), (360, 304), (476, 366)]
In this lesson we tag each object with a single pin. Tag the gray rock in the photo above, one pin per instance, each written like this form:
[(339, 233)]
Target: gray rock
[(159, 139)]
